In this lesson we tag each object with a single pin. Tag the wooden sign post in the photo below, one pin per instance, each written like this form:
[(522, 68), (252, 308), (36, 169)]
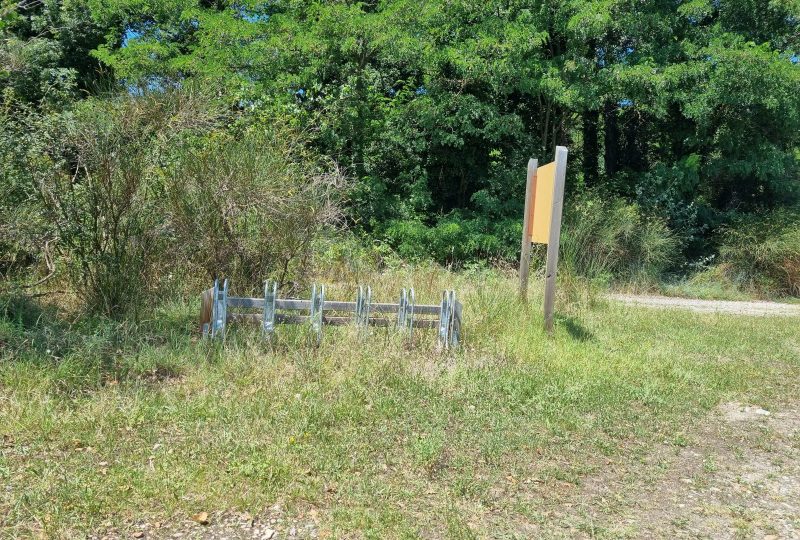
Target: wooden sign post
[(544, 201), (527, 223)]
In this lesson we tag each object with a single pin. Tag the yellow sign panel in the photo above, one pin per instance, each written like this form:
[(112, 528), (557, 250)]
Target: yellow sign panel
[(542, 204)]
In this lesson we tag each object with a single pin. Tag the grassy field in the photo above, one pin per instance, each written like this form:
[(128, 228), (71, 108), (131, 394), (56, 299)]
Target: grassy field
[(106, 426)]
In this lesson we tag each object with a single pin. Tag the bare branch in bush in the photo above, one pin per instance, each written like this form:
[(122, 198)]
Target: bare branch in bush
[(51, 267)]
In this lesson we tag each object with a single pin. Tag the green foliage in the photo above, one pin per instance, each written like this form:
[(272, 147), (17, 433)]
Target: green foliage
[(434, 109), (687, 109), (140, 193), (603, 238), (607, 238), (45, 52), (762, 253), (453, 239), (95, 176), (22, 231)]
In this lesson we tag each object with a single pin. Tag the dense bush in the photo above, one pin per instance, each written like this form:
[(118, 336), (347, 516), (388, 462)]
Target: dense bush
[(602, 238), (139, 192), (21, 235), (610, 238), (455, 240), (762, 253), (689, 108), (247, 204), (95, 178)]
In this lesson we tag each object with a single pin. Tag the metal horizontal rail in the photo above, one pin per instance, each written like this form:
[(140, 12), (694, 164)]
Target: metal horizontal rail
[(333, 321), (328, 305)]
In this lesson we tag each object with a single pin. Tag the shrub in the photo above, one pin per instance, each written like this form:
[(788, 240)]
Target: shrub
[(249, 204), (97, 177), (455, 240), (762, 252), (18, 242), (141, 191), (94, 184), (605, 238), (600, 239)]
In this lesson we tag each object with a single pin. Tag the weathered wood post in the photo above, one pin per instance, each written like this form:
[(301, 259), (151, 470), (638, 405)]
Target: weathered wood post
[(206, 305), (527, 225), (555, 237), (544, 201)]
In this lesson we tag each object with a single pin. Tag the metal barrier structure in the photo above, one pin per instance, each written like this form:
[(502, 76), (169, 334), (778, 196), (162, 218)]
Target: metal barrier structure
[(318, 311)]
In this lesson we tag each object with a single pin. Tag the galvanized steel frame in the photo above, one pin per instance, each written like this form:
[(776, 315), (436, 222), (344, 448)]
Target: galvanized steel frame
[(365, 313)]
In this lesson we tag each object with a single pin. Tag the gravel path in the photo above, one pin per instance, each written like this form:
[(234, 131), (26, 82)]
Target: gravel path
[(710, 306)]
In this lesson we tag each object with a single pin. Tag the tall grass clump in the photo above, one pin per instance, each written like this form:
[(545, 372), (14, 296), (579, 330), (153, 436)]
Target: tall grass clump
[(761, 253), (605, 238)]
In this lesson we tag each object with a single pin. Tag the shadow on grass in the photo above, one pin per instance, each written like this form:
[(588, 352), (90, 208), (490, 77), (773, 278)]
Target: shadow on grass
[(93, 351), (22, 312), (574, 328)]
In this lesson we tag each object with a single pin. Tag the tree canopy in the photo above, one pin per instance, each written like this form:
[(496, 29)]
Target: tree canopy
[(689, 108)]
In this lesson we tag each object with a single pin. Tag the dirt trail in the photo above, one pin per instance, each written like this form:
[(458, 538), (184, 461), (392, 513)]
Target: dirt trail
[(710, 306), (739, 478)]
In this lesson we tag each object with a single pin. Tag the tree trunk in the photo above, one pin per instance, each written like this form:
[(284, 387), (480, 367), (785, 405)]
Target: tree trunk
[(591, 148), (611, 138), (635, 148)]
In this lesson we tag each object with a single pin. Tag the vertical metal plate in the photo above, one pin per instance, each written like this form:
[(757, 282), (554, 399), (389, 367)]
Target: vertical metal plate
[(270, 296), (219, 313)]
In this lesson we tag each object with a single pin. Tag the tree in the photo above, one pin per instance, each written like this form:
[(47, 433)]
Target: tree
[(685, 108)]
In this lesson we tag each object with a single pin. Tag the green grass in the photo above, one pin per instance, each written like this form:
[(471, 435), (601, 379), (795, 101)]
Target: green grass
[(719, 290), (716, 283), (122, 422), (709, 284)]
